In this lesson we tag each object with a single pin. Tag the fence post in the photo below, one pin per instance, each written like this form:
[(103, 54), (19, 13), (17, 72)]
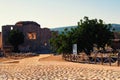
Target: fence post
[(95, 57), (89, 59), (110, 59), (70, 57), (101, 58), (118, 58)]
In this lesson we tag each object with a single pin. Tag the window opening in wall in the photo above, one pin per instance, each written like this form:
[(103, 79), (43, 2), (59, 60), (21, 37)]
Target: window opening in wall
[(31, 35), (11, 28), (45, 44)]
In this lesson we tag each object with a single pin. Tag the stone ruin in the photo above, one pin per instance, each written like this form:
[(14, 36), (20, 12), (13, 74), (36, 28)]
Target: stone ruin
[(36, 38)]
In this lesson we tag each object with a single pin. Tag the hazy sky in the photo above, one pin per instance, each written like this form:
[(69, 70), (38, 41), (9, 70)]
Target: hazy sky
[(57, 13)]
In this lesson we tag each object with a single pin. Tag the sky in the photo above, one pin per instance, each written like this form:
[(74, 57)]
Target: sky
[(58, 13)]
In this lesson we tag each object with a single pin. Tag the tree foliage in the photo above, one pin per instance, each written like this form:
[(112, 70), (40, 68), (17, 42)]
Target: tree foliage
[(86, 35), (61, 43), (94, 32), (15, 39)]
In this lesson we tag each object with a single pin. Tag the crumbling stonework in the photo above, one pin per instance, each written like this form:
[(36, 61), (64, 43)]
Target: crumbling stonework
[(36, 38)]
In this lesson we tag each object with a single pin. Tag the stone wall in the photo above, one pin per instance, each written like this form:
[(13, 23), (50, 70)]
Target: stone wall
[(36, 38), (45, 35), (5, 32)]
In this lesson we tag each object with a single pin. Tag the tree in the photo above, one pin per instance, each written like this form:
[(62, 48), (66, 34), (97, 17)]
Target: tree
[(62, 43), (16, 38), (86, 35), (94, 32), (59, 42)]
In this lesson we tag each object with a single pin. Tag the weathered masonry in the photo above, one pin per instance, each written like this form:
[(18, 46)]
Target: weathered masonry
[(36, 38)]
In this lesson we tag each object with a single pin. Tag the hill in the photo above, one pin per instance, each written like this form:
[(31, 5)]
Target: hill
[(116, 27), (60, 29)]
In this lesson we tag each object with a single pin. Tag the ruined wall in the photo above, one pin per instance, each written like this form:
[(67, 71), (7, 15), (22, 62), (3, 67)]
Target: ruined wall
[(33, 31), (45, 35), (36, 38), (5, 33)]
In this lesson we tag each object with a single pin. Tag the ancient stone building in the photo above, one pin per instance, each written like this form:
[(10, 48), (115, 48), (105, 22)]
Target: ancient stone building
[(36, 38)]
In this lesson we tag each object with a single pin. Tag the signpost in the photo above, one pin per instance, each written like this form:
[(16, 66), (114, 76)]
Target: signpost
[(75, 49)]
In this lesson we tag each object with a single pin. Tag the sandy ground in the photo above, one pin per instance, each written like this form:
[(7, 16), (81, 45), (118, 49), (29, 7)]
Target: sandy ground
[(49, 67)]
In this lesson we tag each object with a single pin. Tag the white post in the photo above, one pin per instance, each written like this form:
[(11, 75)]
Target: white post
[(11, 28), (75, 49)]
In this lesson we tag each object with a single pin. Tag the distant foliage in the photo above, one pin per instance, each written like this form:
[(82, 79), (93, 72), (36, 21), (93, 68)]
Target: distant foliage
[(15, 39), (87, 34)]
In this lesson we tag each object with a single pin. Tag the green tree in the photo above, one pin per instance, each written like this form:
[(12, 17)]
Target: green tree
[(62, 42), (16, 38), (86, 35), (54, 41), (94, 32)]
